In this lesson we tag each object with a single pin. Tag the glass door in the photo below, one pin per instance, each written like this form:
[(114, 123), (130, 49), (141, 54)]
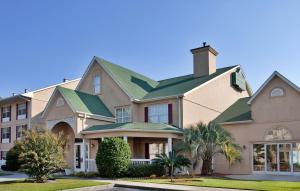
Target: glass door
[(272, 162), (285, 157)]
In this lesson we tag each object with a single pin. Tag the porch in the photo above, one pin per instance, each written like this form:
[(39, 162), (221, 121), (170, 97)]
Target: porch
[(144, 143)]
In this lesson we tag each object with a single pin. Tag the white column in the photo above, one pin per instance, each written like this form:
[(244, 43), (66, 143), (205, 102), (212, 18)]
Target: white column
[(84, 154), (169, 144), (125, 138), (102, 138)]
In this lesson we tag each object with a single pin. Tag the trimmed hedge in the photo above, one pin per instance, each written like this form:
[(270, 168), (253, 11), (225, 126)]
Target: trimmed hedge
[(113, 158), (145, 170)]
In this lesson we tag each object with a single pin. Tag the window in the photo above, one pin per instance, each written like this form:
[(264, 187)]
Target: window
[(156, 148), (60, 102), (259, 157), (3, 155), (97, 84), (22, 111), (277, 92), (20, 130), (5, 134), (123, 115), (158, 113), (6, 114)]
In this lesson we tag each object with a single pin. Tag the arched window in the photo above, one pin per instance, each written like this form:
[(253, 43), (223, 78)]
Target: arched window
[(278, 133), (60, 102), (277, 92)]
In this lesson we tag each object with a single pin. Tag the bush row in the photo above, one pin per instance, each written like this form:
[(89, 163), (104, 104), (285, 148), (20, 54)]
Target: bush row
[(145, 170)]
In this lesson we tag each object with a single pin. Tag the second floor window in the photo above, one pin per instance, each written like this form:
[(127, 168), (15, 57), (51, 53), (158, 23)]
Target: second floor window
[(21, 111), (5, 135), (6, 113), (123, 115), (97, 84), (158, 113), (20, 130)]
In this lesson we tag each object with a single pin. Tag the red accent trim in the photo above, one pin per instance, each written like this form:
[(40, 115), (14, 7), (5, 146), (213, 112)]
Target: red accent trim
[(146, 114), (10, 113), (170, 113), (9, 134), (26, 109), (147, 154), (17, 111), (1, 114)]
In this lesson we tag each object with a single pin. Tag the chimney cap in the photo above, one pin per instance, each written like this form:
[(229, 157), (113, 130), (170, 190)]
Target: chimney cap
[(204, 48)]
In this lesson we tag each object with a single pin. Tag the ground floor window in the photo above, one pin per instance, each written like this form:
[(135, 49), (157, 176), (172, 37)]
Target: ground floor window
[(276, 157), (3, 155), (156, 148)]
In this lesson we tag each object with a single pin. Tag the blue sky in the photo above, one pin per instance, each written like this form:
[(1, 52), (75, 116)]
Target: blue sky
[(41, 42)]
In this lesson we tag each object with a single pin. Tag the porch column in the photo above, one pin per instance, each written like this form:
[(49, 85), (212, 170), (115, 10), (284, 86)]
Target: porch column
[(84, 154), (169, 144), (125, 138)]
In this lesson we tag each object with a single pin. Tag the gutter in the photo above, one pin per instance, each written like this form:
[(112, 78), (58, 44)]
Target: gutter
[(130, 130), (93, 116), (236, 122), (156, 99)]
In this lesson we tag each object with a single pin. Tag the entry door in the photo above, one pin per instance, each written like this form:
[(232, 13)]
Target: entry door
[(279, 158), (79, 166)]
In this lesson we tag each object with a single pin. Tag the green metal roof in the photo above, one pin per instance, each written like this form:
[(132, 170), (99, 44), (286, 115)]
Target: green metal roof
[(83, 102), (239, 111), (141, 87), (139, 126), (134, 84)]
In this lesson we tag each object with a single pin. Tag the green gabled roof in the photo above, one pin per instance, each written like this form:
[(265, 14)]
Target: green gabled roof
[(135, 126), (239, 111), (140, 87), (181, 85), (83, 102), (134, 84)]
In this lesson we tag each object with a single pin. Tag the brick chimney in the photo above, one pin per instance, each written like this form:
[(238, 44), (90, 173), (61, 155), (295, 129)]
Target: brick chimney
[(205, 58)]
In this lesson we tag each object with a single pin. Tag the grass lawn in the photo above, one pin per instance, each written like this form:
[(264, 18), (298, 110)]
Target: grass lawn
[(59, 184), (228, 183)]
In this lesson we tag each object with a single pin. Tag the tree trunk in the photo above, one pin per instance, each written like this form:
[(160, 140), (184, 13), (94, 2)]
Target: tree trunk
[(206, 167)]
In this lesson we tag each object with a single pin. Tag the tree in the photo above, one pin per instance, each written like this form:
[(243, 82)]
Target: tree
[(171, 161), (113, 157), (41, 154), (13, 162), (205, 141)]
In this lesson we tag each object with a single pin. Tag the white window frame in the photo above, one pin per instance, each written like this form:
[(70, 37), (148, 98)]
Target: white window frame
[(22, 111), (7, 138), (277, 92), (156, 113), (6, 111), (18, 131), (97, 84), (123, 116)]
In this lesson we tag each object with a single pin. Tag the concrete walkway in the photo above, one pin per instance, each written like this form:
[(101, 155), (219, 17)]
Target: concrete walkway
[(290, 178), (12, 176), (167, 187)]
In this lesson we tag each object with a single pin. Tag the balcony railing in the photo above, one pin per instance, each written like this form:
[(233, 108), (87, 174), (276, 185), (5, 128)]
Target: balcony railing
[(136, 162)]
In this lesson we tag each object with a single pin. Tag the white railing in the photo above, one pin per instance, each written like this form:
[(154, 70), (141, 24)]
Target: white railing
[(136, 162), (91, 165)]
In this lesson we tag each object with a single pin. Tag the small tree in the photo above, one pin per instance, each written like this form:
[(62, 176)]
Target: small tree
[(41, 154), (113, 157), (172, 161), (13, 162), (205, 141)]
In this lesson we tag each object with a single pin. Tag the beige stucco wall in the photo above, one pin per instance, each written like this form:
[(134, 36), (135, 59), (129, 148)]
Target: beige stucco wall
[(268, 113), (111, 94), (206, 103)]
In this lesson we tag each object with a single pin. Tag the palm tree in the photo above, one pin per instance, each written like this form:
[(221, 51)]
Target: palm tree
[(171, 161), (203, 142)]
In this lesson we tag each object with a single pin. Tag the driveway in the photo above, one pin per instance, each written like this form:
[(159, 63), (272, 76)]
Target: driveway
[(12, 176)]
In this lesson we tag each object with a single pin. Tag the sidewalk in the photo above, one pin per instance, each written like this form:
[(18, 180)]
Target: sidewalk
[(12, 176)]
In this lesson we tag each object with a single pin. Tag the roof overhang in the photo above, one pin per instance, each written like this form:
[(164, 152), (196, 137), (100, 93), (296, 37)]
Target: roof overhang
[(130, 130), (14, 98), (274, 74)]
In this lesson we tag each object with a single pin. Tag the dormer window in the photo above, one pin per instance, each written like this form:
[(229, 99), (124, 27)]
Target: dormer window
[(97, 84), (277, 92)]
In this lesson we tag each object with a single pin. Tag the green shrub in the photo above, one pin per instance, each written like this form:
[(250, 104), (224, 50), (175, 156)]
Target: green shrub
[(145, 170), (86, 175), (12, 158), (113, 158), (41, 154)]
